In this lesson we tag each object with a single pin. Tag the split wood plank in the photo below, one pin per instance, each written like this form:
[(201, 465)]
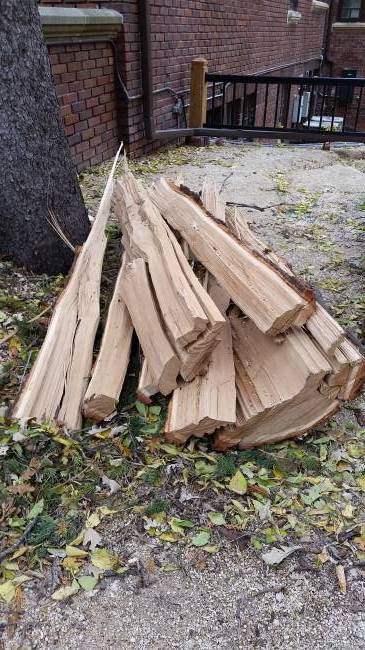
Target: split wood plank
[(147, 385), (190, 319), (274, 382), (59, 377), (138, 295), (235, 219), (208, 402), (325, 330), (356, 375), (110, 369), (250, 281)]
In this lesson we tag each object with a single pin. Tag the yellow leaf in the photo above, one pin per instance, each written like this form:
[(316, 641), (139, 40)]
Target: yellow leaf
[(93, 520), (102, 559), (104, 510), (169, 537), (361, 482), (348, 511), (278, 473), (7, 591), (238, 483), (14, 346), (72, 551), (20, 551), (79, 539), (66, 592), (71, 564)]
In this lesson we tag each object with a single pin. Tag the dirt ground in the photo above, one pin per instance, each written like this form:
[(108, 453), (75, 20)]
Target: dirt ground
[(309, 205)]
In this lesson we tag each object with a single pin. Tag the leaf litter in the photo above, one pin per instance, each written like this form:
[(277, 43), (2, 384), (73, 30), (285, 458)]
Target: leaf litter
[(60, 492)]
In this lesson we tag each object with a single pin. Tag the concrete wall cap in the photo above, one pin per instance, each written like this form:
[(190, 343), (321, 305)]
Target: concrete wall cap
[(66, 24), (71, 16), (319, 7)]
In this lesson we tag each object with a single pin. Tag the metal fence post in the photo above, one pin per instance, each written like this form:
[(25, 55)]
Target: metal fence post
[(198, 93)]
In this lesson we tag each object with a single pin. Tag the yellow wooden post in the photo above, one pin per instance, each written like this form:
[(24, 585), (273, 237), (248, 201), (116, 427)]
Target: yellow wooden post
[(198, 93)]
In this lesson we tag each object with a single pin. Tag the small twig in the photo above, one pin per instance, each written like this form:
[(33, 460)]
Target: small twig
[(22, 538), (32, 320), (25, 371)]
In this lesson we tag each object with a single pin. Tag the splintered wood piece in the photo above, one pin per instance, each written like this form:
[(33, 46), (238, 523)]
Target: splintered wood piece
[(147, 385), (356, 374), (253, 284), (237, 223), (59, 377), (325, 330), (206, 403), (138, 295), (145, 236), (194, 357), (189, 317), (273, 380), (212, 200), (111, 365)]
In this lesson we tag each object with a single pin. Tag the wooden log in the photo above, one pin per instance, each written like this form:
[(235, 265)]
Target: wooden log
[(356, 375), (59, 377), (111, 365), (191, 320), (325, 330), (250, 281), (237, 223), (138, 295), (147, 385), (277, 386), (206, 403)]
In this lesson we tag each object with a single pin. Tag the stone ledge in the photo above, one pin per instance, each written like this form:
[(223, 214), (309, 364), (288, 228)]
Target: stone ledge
[(319, 7), (348, 26), (69, 24)]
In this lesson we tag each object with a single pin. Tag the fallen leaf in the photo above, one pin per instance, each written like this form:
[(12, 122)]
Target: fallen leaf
[(238, 483), (93, 520), (277, 555), (111, 484), (201, 539), (169, 537), (102, 559), (341, 577), (361, 482), (211, 549), (88, 583), (92, 538), (7, 591), (36, 510), (72, 551), (66, 592), (21, 488), (216, 518), (178, 525)]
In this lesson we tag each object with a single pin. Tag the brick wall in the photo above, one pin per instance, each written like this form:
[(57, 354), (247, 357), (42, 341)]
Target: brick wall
[(234, 36), (84, 79)]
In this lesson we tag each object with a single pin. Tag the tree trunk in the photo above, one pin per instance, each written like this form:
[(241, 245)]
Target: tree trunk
[(36, 170)]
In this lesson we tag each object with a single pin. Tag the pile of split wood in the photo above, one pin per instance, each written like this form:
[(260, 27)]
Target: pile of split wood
[(225, 327)]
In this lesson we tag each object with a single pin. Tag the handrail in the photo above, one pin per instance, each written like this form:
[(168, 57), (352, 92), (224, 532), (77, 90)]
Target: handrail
[(300, 81)]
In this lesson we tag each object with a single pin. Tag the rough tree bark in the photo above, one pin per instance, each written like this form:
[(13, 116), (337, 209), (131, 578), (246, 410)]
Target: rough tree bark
[(36, 170)]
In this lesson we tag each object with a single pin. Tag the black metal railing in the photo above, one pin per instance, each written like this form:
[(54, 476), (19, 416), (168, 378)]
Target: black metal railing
[(301, 106)]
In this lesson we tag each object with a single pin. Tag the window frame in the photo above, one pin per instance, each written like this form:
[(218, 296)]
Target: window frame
[(359, 19)]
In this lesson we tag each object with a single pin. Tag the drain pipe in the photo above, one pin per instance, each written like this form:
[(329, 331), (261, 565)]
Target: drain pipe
[(144, 10)]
